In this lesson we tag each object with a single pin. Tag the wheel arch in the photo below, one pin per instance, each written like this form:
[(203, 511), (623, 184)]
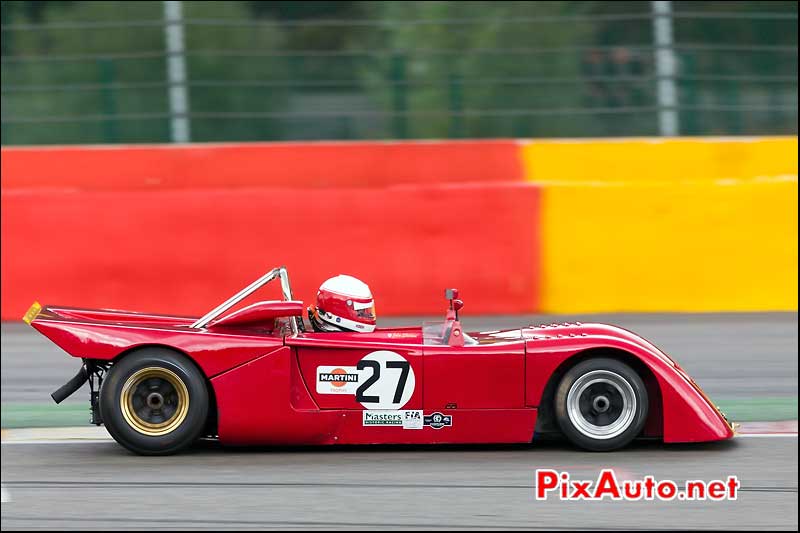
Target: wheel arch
[(546, 423), (213, 416)]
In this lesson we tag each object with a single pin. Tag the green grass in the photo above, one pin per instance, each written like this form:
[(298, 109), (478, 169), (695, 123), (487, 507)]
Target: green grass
[(20, 415), (758, 409)]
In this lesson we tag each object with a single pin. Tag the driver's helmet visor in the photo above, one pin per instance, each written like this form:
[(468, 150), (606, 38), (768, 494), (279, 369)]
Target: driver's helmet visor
[(365, 310)]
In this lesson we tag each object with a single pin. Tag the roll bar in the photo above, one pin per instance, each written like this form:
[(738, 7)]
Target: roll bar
[(286, 289)]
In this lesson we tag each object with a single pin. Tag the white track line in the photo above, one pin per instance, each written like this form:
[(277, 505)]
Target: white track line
[(6, 497), (765, 435)]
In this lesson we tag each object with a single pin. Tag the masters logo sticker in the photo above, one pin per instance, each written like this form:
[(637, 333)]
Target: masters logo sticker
[(337, 379), (406, 419)]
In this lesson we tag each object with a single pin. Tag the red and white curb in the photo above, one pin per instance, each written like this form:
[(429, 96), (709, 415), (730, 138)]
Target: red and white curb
[(783, 428)]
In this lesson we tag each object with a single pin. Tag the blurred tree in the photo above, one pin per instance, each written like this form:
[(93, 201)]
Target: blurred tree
[(457, 65), (427, 69), (311, 37), (32, 11), (293, 10)]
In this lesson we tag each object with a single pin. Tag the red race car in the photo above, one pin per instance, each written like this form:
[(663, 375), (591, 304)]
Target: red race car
[(259, 376)]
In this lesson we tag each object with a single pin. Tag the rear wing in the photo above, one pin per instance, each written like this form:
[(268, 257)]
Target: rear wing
[(52, 314)]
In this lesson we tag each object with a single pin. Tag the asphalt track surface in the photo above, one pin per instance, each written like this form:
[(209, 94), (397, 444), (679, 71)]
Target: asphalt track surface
[(94, 485)]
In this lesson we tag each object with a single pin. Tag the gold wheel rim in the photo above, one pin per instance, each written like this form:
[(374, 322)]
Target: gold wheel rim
[(154, 401)]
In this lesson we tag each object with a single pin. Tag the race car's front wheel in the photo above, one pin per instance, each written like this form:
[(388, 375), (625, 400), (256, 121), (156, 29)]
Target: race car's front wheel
[(154, 401), (601, 404)]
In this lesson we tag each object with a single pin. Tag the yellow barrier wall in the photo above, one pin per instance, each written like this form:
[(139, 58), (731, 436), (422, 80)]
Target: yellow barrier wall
[(646, 159), (677, 225)]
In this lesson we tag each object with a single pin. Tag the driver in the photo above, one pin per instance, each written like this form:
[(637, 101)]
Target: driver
[(344, 303)]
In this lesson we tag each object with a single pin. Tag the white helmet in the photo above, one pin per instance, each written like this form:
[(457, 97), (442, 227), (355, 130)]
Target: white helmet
[(344, 303)]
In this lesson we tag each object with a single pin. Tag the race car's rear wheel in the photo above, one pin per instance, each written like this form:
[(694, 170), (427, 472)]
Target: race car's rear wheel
[(601, 404), (154, 401)]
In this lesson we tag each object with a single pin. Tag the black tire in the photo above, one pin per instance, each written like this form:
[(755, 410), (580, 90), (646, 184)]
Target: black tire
[(167, 425), (601, 404)]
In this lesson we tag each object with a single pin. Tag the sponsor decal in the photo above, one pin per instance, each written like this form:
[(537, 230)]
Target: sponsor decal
[(381, 380), (412, 419), (438, 420), (337, 379), (406, 419), (402, 335)]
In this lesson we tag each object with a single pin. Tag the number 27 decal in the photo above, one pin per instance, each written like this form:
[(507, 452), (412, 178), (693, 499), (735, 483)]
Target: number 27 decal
[(404, 367), (380, 380)]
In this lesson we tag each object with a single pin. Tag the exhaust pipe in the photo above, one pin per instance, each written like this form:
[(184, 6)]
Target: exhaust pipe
[(68, 388)]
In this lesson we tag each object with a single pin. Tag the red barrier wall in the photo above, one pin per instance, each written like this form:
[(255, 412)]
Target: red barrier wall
[(185, 251), (322, 164)]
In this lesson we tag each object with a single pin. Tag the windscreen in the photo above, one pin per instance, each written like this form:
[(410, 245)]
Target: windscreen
[(435, 333)]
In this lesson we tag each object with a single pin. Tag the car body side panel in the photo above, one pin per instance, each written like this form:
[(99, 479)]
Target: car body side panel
[(254, 408), (266, 402), (475, 377), (688, 415)]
